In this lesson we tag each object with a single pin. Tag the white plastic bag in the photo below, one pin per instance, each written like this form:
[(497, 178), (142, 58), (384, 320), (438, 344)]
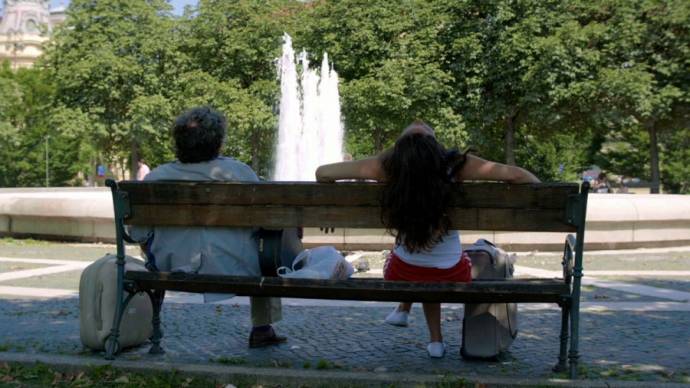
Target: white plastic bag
[(318, 263)]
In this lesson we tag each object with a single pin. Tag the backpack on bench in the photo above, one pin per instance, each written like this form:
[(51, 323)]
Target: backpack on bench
[(488, 329), (277, 248)]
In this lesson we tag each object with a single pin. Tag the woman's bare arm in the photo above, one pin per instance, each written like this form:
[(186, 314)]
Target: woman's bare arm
[(478, 169), (370, 168)]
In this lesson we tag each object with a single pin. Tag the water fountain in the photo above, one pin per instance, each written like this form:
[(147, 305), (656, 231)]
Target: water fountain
[(310, 131)]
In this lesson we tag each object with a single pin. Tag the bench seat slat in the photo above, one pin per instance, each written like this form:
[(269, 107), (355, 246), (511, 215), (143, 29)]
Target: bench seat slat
[(535, 220), (520, 291)]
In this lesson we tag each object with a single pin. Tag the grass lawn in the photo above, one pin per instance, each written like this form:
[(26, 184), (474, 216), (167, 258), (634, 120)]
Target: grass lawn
[(11, 267), (41, 375), (44, 376)]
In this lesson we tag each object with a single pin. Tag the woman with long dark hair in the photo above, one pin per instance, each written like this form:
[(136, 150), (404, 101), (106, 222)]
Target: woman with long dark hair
[(418, 173)]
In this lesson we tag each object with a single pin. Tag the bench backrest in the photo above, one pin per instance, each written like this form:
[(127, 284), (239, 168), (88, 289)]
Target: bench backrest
[(558, 207)]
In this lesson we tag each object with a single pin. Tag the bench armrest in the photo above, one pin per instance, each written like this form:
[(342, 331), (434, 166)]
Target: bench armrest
[(128, 238), (568, 258)]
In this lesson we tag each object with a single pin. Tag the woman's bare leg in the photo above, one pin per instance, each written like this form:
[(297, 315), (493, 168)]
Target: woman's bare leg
[(432, 313)]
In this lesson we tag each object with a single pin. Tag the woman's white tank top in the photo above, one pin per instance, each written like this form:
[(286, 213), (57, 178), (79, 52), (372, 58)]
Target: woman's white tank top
[(445, 254)]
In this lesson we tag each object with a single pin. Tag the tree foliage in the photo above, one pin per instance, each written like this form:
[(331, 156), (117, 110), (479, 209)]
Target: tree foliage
[(115, 61), (389, 57), (230, 50), (27, 129), (549, 85), (642, 75)]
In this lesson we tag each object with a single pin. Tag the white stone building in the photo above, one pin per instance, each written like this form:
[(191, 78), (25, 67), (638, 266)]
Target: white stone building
[(24, 26)]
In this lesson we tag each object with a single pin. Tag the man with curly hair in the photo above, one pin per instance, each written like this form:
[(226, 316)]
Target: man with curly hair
[(199, 134)]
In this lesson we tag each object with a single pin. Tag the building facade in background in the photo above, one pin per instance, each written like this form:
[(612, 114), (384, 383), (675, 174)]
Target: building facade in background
[(25, 25)]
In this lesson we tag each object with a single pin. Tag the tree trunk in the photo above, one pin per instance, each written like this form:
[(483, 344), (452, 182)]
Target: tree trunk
[(654, 158), (255, 151), (255, 161), (510, 139), (92, 171), (378, 140), (134, 166)]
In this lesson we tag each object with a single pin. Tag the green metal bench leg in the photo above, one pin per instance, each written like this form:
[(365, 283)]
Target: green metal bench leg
[(573, 355), (561, 366), (568, 259), (157, 297), (112, 343), (578, 214)]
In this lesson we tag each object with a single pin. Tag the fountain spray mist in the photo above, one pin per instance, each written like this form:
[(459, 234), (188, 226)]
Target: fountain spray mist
[(310, 130)]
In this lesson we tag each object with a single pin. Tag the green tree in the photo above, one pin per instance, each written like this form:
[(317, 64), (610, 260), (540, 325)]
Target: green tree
[(388, 57), (643, 78), (231, 48), (79, 130), (517, 67), (10, 140), (32, 150), (625, 153), (115, 62), (676, 161)]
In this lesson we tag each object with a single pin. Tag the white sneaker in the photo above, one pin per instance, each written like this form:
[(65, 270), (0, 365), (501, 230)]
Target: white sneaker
[(436, 349), (397, 318)]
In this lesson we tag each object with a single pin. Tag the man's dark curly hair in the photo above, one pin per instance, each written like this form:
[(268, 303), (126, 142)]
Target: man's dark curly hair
[(199, 134), (416, 195)]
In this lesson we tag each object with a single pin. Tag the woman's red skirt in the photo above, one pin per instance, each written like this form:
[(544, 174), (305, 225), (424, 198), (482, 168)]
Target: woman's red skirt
[(396, 269)]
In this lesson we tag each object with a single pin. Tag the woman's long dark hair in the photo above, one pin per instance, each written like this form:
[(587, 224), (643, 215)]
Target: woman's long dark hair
[(416, 195)]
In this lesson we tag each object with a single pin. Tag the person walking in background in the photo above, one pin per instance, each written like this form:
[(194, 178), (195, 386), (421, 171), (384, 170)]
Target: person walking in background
[(603, 185), (622, 186), (142, 170), (418, 173)]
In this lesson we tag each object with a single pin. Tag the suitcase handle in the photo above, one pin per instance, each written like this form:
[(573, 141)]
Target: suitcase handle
[(513, 333)]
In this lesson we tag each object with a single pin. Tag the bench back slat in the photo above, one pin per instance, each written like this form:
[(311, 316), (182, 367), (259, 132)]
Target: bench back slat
[(475, 206), (340, 217), (467, 195)]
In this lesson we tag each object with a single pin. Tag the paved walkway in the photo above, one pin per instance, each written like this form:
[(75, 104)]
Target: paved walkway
[(630, 330), (636, 345)]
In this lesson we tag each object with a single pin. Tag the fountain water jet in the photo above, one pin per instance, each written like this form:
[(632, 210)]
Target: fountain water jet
[(310, 131)]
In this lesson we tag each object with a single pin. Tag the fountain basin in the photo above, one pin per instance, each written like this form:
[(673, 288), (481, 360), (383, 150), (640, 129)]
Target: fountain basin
[(614, 221)]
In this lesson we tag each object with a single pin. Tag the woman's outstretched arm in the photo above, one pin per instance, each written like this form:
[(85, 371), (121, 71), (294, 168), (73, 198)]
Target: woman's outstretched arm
[(369, 168), (478, 169)]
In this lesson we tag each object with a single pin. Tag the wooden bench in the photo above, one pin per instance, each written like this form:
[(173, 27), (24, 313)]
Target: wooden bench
[(475, 206)]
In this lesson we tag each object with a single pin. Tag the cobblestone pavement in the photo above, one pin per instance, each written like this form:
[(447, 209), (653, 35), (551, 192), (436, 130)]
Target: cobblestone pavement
[(634, 322), (629, 345)]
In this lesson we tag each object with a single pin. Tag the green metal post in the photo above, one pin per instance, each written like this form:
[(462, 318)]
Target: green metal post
[(157, 297), (112, 343), (561, 366), (580, 213)]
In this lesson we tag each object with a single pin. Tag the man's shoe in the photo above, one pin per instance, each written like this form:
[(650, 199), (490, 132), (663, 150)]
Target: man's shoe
[(262, 338)]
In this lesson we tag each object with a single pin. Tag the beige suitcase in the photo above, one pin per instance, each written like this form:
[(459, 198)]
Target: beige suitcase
[(488, 329), (97, 296)]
